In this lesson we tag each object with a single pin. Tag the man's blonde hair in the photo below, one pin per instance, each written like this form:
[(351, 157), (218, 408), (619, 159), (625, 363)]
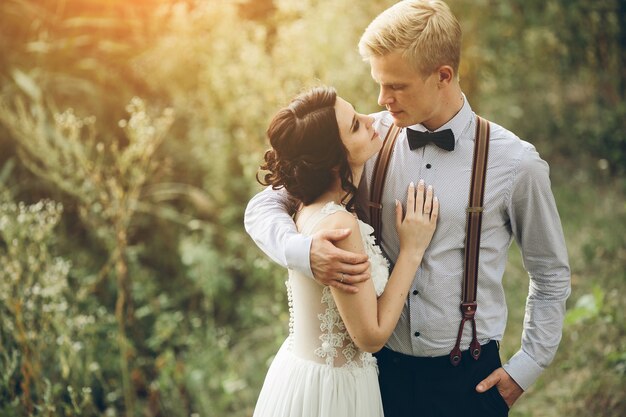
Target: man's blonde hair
[(425, 32)]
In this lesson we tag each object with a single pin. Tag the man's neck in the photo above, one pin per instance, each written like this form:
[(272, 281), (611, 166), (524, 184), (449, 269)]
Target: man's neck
[(450, 105)]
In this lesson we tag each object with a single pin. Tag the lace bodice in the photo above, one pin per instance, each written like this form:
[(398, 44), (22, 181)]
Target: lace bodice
[(316, 330)]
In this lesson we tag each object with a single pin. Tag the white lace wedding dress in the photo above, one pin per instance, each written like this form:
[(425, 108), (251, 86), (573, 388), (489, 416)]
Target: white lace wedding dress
[(318, 371)]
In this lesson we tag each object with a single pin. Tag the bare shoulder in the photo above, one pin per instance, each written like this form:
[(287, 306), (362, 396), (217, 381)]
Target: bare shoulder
[(343, 220)]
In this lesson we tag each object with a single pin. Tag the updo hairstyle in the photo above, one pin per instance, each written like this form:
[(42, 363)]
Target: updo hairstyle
[(307, 152)]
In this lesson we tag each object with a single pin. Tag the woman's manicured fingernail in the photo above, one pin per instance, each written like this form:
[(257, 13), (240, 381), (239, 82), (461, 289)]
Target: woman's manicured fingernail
[(421, 182), (411, 184)]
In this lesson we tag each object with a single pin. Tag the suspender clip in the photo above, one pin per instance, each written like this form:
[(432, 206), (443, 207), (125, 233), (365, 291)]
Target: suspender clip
[(468, 310)]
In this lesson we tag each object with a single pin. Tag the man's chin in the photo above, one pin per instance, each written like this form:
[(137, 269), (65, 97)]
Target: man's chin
[(401, 119)]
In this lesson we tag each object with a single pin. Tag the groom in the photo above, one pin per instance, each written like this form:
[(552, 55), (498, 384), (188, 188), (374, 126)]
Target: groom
[(413, 49)]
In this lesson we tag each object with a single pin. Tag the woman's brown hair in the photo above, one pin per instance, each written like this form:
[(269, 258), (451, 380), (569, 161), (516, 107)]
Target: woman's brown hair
[(307, 152)]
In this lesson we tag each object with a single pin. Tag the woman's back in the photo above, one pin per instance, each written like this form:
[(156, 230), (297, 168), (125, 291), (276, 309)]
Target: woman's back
[(317, 331), (319, 371)]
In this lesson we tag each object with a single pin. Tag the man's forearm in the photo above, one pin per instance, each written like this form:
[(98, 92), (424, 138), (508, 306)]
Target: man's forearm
[(269, 224), (543, 325)]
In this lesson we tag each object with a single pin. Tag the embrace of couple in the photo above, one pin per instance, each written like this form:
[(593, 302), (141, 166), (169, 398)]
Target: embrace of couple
[(373, 323)]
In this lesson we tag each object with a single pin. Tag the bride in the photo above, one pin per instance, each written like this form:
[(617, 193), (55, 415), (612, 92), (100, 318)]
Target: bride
[(325, 367)]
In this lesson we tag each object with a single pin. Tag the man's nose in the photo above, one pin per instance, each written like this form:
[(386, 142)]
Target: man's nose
[(384, 97)]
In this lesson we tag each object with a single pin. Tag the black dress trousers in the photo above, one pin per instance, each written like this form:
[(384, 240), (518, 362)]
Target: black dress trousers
[(431, 387)]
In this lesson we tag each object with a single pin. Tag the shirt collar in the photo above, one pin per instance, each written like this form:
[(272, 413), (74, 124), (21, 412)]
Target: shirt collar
[(459, 123)]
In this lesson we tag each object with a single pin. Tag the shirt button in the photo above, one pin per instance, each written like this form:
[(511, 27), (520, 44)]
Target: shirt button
[(428, 166), (417, 334), (415, 292)]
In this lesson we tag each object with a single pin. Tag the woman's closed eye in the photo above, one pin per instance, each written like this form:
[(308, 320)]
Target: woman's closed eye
[(356, 126)]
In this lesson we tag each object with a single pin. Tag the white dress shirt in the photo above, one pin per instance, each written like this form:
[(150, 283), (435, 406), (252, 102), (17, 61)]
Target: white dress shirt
[(518, 203)]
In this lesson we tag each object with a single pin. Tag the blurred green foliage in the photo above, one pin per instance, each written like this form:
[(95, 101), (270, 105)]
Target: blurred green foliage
[(128, 286)]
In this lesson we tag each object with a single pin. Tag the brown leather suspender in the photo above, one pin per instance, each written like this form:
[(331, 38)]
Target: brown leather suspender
[(473, 226), (378, 181), (472, 239)]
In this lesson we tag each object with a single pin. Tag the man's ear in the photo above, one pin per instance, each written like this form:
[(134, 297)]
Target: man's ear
[(445, 74)]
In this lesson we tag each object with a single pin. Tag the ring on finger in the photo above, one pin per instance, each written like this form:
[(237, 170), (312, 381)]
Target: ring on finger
[(342, 278)]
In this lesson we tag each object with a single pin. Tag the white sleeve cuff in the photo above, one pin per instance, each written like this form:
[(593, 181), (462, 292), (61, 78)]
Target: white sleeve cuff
[(297, 254), (523, 369)]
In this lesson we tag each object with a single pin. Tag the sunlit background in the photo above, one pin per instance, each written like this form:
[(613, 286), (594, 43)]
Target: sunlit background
[(130, 133)]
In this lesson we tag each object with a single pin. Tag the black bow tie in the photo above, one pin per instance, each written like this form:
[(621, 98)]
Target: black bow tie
[(444, 139)]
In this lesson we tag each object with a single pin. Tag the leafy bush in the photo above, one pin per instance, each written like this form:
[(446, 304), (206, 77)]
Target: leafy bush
[(41, 328)]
